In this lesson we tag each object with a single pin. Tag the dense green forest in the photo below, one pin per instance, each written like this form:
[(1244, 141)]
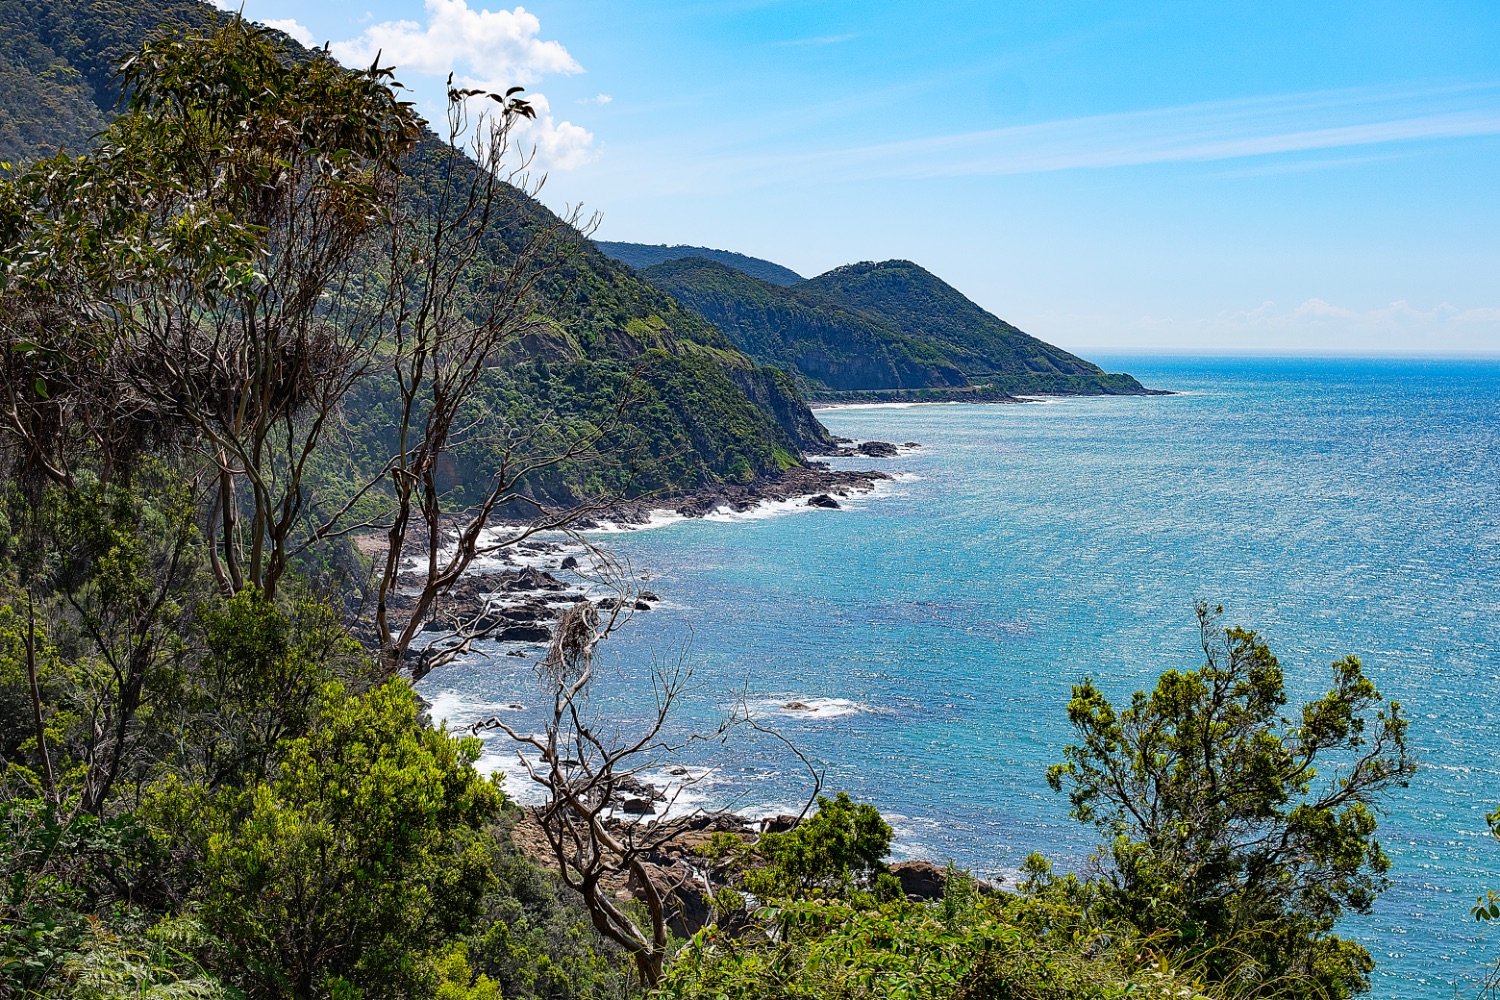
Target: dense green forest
[(878, 327), (270, 314), (643, 255), (833, 347)]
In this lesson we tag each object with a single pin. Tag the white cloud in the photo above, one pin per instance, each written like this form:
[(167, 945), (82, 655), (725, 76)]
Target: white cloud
[(292, 29), (596, 99), (496, 49), (487, 50), (558, 145)]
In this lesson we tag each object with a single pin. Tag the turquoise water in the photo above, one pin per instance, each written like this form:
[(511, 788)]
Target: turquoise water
[(1337, 506)]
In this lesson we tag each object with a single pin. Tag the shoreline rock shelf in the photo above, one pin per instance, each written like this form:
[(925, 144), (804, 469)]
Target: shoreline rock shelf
[(523, 601)]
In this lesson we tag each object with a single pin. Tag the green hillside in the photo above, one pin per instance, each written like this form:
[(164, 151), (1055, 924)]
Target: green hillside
[(832, 347), (890, 329), (917, 303), (703, 412), (643, 255)]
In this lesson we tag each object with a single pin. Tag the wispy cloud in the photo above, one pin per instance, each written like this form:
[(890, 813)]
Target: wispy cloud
[(820, 41), (1206, 132)]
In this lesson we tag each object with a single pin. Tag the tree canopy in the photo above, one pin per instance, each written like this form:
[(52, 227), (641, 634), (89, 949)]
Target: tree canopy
[(1237, 834)]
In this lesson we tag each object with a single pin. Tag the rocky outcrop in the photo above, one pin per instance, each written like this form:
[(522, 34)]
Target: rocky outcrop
[(792, 484), (921, 880)]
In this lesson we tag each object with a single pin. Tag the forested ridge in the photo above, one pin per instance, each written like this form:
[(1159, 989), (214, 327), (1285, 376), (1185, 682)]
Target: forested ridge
[(275, 357), (643, 255), (875, 327)]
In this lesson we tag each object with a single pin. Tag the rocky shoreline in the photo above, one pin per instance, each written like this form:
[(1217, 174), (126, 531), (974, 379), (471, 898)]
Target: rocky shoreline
[(811, 481), (524, 600), (521, 599)]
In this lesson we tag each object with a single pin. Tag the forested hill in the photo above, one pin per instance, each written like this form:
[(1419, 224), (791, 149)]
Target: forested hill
[(834, 348), (880, 328), (703, 412), (643, 255), (57, 63), (917, 303)]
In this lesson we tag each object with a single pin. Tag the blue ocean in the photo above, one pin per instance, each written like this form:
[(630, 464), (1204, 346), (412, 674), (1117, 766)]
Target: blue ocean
[(933, 629)]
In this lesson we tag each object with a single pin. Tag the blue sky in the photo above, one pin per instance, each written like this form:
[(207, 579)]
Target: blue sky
[(1108, 176)]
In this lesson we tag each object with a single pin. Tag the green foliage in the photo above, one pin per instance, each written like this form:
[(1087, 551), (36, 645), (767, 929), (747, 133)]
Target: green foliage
[(839, 849), (1221, 838), (604, 321), (130, 964), (535, 939), (57, 62), (258, 683), (356, 859), (59, 869), (836, 951), (457, 981), (917, 304)]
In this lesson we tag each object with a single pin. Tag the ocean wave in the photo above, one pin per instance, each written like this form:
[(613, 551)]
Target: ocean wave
[(762, 511), (656, 519), (450, 704), (819, 709)]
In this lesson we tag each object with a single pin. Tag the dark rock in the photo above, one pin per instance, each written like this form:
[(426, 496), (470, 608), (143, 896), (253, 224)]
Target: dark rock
[(570, 563), (716, 823), (911, 444), (777, 824), (631, 785), (525, 633), (920, 880), (642, 606), (647, 595), (638, 807), (797, 706), (876, 449), (823, 500), (678, 772), (532, 578)]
